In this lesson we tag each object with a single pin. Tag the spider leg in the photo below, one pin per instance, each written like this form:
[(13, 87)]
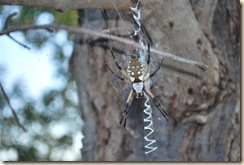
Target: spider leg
[(127, 106), (153, 73), (116, 62), (119, 77), (148, 60), (156, 103)]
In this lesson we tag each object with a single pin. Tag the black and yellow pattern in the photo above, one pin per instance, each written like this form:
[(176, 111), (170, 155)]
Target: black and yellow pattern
[(135, 70)]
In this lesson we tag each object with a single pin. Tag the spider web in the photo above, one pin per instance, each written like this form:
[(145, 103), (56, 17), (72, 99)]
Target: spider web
[(161, 83), (41, 16)]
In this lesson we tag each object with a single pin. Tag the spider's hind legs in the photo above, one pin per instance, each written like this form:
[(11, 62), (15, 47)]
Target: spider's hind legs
[(160, 108), (124, 116)]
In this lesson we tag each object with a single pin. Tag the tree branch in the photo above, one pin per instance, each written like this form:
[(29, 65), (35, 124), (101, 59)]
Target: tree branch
[(51, 27), (6, 26), (7, 19), (12, 109), (65, 5), (25, 46)]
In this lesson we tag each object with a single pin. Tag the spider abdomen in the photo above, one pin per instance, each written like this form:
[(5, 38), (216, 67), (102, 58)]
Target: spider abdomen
[(135, 70)]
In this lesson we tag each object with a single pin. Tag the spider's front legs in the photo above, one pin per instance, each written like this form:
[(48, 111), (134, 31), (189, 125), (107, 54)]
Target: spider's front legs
[(119, 77), (153, 73), (127, 106), (157, 103), (148, 60), (117, 64)]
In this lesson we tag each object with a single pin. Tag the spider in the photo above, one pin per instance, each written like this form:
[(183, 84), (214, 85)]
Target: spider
[(135, 76)]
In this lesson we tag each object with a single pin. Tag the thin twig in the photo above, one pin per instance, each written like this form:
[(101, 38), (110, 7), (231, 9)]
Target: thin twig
[(51, 27), (8, 18), (6, 26), (12, 109), (25, 46)]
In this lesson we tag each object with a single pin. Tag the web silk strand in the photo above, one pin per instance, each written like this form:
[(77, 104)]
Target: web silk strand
[(148, 110), (149, 127)]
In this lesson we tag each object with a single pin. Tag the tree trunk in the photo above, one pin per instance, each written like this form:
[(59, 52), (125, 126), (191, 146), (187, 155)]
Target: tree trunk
[(203, 107)]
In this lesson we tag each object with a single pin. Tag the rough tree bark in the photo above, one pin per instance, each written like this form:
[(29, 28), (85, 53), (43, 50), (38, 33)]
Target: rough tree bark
[(204, 107)]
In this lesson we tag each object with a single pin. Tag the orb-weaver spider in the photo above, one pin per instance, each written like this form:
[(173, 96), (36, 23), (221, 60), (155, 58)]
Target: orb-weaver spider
[(135, 76)]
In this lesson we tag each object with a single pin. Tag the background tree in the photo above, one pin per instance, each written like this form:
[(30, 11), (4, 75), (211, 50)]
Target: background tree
[(204, 107)]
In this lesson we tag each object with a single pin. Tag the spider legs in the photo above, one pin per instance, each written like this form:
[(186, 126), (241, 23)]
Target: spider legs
[(124, 115), (119, 77), (153, 73), (160, 108), (117, 64), (148, 60), (157, 103)]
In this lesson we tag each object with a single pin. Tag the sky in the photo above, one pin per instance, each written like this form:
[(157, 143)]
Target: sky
[(36, 70), (21, 63)]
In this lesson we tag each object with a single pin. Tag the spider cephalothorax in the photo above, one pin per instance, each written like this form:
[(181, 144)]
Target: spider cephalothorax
[(135, 76)]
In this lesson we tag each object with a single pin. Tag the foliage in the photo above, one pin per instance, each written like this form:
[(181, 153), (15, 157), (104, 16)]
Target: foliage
[(52, 121)]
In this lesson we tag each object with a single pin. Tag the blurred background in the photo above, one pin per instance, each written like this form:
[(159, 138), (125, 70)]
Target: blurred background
[(40, 89)]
